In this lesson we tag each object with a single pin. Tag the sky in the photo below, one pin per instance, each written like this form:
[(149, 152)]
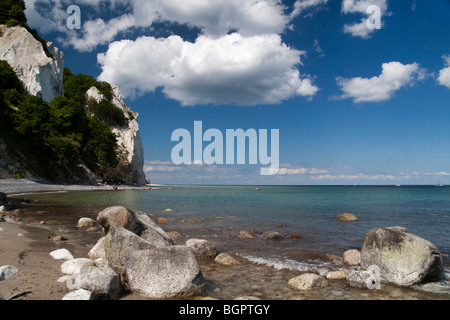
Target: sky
[(358, 97)]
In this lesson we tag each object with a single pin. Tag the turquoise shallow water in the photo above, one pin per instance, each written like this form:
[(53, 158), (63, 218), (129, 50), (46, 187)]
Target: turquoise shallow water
[(310, 211), (307, 210)]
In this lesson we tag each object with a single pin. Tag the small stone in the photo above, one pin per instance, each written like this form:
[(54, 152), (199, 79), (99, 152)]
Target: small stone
[(161, 220), (191, 220), (334, 257), (226, 259), (86, 222), (174, 235), (168, 210), (58, 238), (358, 279), (2, 209), (348, 217), (336, 275), (352, 257), (244, 235), (2, 230), (7, 272), (296, 236), (307, 282), (92, 229), (272, 235), (61, 254), (20, 235), (42, 222)]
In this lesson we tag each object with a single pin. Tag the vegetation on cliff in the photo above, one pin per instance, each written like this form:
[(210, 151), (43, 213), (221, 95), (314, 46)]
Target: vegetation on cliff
[(58, 138)]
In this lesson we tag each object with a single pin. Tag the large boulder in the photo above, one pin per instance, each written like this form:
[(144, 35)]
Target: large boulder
[(102, 282), (164, 273), (404, 259), (119, 243), (140, 224)]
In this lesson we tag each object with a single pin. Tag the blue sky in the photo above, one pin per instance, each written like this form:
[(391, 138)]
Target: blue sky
[(353, 105)]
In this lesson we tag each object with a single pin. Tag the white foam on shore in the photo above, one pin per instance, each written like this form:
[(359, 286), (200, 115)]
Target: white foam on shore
[(320, 267)]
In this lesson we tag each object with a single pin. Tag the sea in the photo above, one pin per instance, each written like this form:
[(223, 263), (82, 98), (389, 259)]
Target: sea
[(309, 212)]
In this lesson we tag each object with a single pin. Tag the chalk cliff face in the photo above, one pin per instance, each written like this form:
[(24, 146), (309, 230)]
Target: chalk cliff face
[(128, 137), (41, 75)]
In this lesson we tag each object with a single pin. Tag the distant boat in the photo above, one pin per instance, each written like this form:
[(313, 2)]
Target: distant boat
[(439, 184), (398, 185)]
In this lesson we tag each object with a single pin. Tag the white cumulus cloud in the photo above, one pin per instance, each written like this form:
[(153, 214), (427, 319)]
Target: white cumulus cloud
[(232, 69), (394, 76), (444, 74)]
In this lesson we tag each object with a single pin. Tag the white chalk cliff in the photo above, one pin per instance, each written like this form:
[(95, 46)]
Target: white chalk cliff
[(41, 75), (128, 136)]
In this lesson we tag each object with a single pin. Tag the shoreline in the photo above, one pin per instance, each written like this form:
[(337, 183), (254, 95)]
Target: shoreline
[(13, 187), (39, 272)]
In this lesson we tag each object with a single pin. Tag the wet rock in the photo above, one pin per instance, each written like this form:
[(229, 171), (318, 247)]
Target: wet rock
[(92, 229), (272, 235), (75, 266), (7, 272), (334, 257), (164, 273), (175, 235), (61, 254), (307, 282), (404, 259), (191, 220), (80, 294), (2, 230), (245, 235), (161, 220), (296, 236), (226, 259), (2, 209), (203, 249), (348, 217), (337, 275), (58, 238), (86, 222), (352, 257)]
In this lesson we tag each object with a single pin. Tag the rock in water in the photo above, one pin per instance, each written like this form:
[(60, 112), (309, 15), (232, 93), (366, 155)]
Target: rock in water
[(307, 282), (404, 259), (203, 249), (41, 75), (86, 222), (164, 273), (348, 217), (352, 257)]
